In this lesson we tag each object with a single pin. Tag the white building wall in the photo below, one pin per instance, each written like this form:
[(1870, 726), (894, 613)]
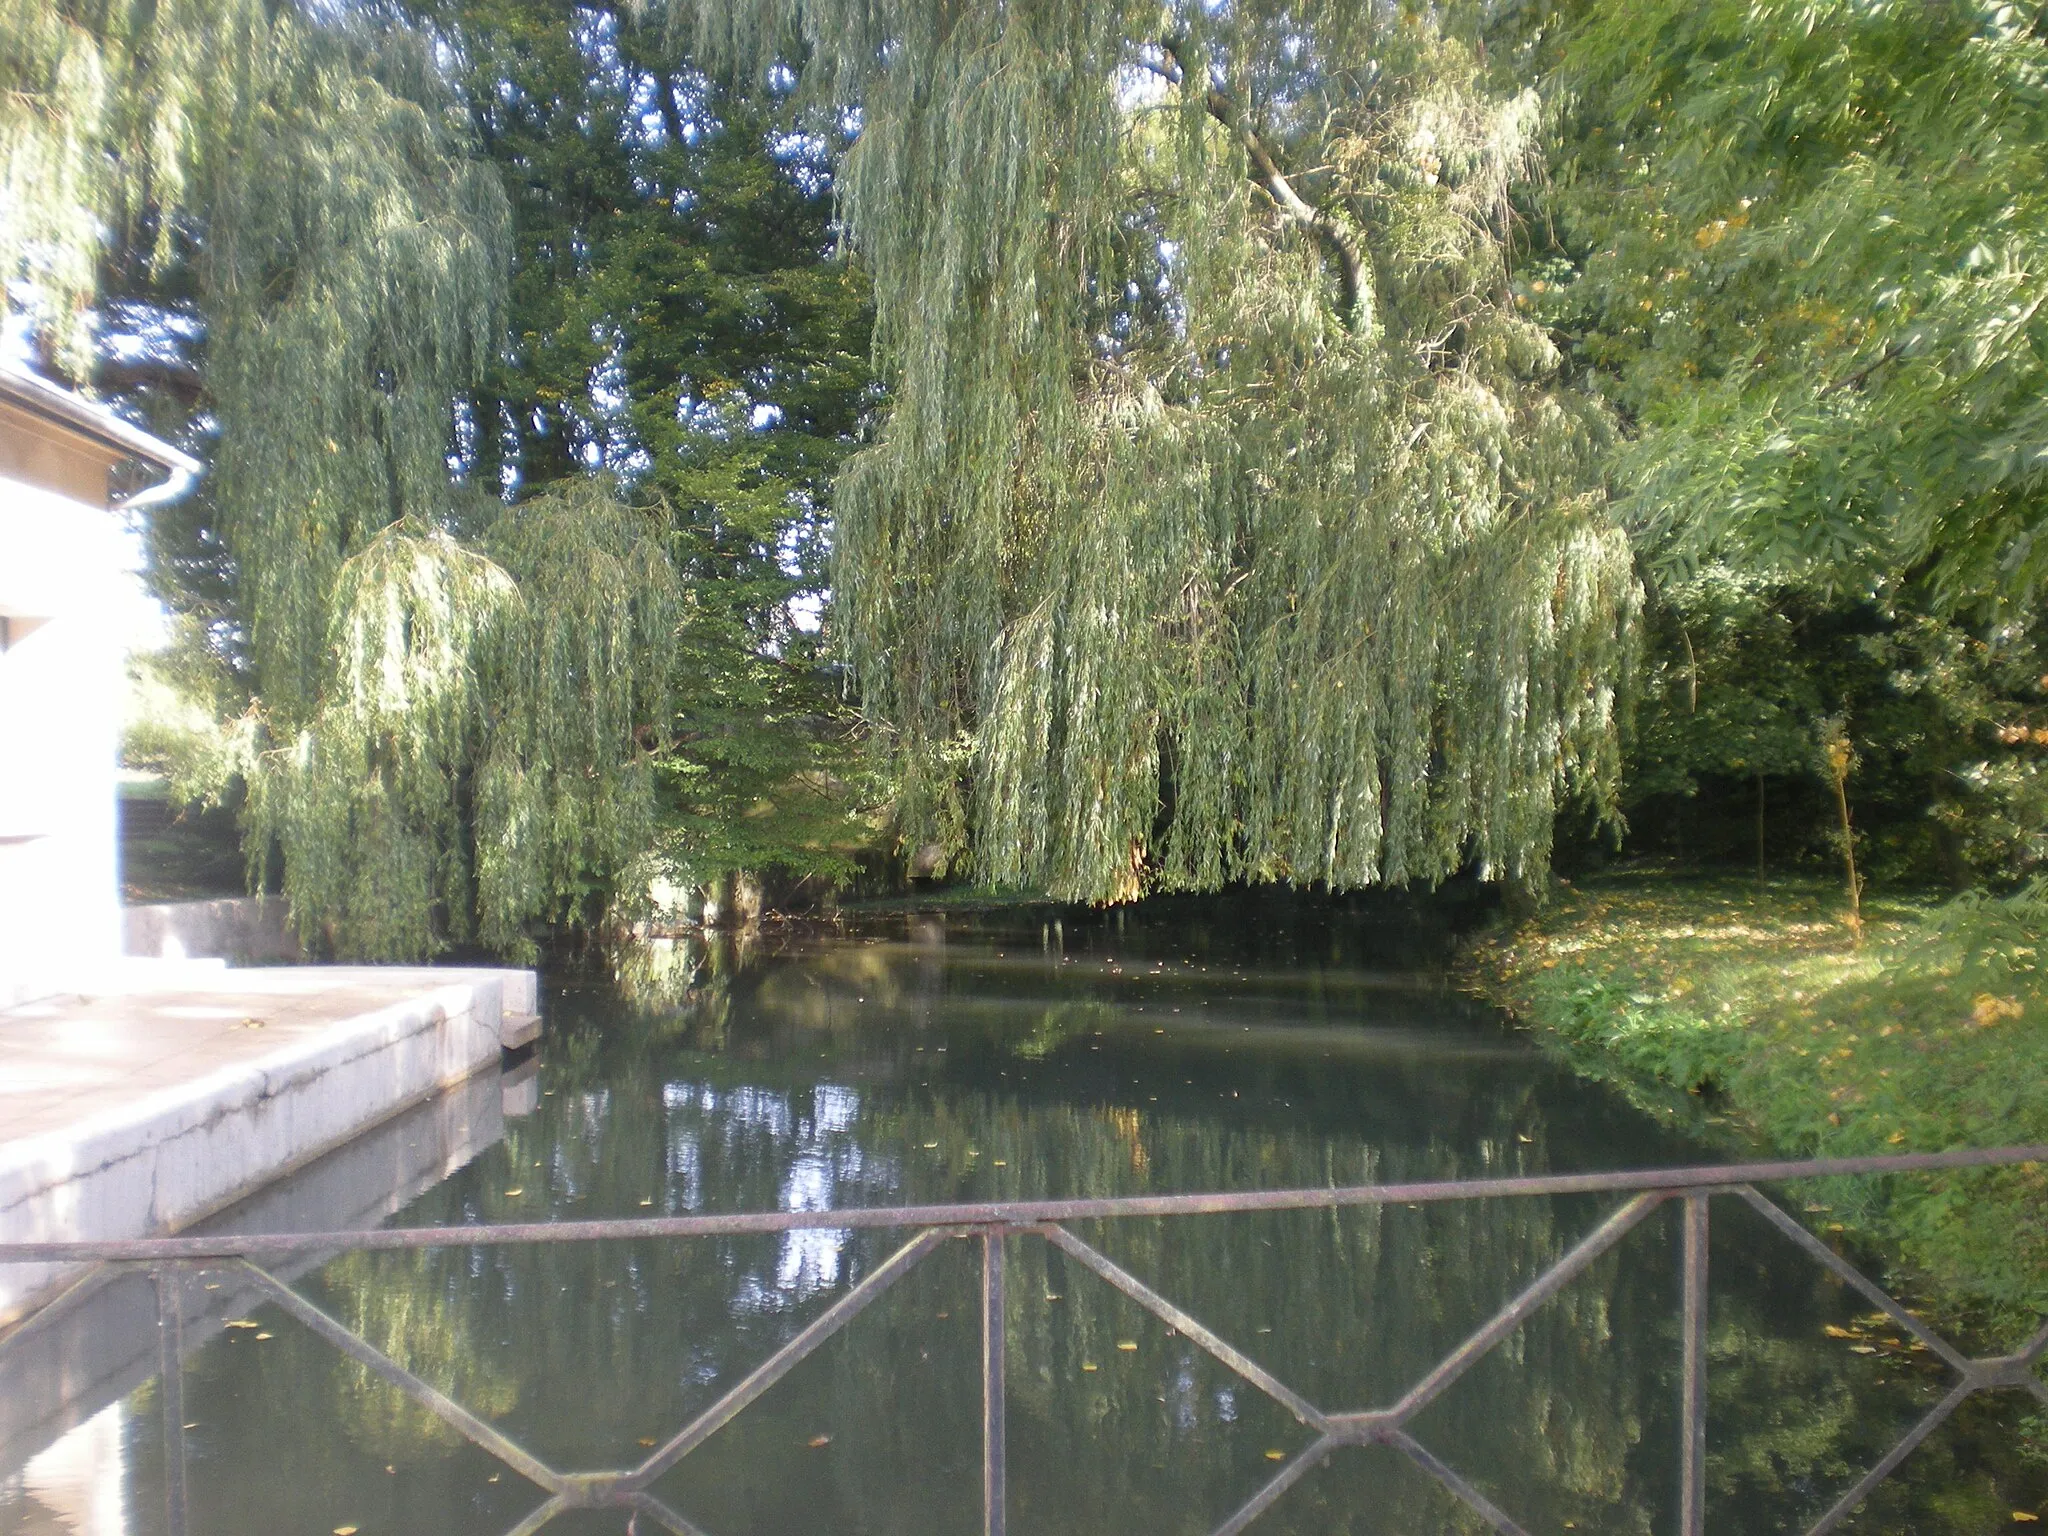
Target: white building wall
[(60, 699)]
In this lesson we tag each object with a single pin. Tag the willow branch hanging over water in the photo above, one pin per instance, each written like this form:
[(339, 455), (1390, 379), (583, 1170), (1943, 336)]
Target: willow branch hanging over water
[(1229, 523), (446, 739)]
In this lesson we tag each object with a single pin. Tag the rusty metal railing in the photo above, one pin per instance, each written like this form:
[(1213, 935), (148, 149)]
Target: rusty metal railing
[(995, 1224)]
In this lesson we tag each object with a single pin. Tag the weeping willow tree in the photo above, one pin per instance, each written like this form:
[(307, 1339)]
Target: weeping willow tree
[(1230, 523), (445, 737)]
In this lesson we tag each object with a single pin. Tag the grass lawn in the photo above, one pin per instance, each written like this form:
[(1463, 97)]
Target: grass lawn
[(1750, 1008)]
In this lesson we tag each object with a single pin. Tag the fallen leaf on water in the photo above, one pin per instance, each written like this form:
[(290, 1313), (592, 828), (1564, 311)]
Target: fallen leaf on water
[(344, 1530), (241, 1322), (648, 1440), (1276, 1455), (2023, 1515), (820, 1440), (1089, 1365), (262, 1335)]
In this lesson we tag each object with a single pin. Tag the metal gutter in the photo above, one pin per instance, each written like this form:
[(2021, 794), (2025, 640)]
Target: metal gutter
[(40, 397)]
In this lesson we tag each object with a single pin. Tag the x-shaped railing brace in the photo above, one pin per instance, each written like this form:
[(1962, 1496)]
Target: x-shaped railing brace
[(629, 1488)]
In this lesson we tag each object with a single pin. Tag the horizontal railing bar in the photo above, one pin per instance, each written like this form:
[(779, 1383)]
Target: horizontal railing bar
[(1716, 1178)]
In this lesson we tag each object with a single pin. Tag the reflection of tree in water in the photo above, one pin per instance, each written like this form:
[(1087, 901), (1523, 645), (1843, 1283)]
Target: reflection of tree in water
[(819, 1086)]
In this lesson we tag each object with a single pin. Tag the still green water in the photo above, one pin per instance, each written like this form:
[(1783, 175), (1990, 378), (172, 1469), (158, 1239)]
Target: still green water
[(1184, 1048)]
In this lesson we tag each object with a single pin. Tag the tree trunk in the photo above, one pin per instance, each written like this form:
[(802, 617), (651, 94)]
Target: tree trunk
[(1759, 828)]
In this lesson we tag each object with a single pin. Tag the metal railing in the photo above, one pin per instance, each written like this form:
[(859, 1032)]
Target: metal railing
[(993, 1225)]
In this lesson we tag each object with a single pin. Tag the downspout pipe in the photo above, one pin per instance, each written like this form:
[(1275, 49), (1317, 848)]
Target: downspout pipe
[(173, 487)]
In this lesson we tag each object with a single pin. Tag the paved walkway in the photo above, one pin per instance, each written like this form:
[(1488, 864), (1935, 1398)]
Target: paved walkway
[(69, 1059), (180, 1088)]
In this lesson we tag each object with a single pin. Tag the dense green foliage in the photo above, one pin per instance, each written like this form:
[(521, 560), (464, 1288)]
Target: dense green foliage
[(1725, 752), (1802, 250), (1818, 245), (459, 714), (1227, 523), (1301, 420), (681, 329), (438, 736)]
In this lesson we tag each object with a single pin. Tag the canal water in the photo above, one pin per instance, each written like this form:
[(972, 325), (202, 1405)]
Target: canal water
[(1179, 1047)]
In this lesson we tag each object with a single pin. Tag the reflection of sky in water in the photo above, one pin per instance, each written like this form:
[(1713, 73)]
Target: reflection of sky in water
[(811, 1133), (77, 1486)]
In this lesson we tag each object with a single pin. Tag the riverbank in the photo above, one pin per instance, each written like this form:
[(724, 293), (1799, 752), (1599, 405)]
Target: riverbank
[(1749, 1010)]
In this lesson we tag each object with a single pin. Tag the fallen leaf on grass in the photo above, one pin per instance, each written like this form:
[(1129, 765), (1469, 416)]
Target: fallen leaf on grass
[(241, 1322), (817, 1441), (1987, 1010), (648, 1440), (2024, 1516), (1127, 1344), (1834, 1332), (513, 1194), (1276, 1455)]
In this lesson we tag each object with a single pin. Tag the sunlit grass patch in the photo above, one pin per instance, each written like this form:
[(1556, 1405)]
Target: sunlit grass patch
[(1755, 1000)]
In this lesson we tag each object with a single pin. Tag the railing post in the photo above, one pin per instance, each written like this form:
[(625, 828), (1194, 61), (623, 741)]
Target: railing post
[(994, 1452), (170, 1356), (1692, 1459)]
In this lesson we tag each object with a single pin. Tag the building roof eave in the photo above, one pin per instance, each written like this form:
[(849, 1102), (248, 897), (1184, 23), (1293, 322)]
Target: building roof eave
[(40, 397)]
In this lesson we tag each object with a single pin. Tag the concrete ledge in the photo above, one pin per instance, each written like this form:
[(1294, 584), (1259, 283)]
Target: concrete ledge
[(518, 1031), (162, 1143), (248, 930), (107, 1345)]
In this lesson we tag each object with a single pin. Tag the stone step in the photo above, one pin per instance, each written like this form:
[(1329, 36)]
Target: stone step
[(516, 1031)]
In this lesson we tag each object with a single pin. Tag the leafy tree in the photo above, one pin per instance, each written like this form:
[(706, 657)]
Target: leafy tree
[(1814, 245), (1226, 524), (683, 330), (1740, 672), (424, 737), (1799, 248)]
